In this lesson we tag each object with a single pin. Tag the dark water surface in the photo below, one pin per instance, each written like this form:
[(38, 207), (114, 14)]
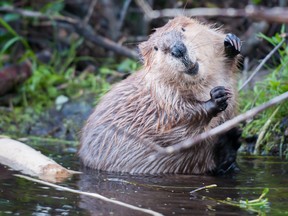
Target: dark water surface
[(166, 194)]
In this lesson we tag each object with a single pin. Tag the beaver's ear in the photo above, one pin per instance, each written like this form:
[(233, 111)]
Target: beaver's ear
[(145, 51)]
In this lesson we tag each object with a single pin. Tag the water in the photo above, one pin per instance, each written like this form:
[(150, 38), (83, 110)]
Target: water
[(166, 194)]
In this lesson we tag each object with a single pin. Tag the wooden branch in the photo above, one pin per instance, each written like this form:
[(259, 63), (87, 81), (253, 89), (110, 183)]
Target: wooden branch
[(35, 14), (276, 14), (221, 128), (94, 195), (82, 29), (14, 75), (105, 42), (19, 156), (123, 13), (90, 11)]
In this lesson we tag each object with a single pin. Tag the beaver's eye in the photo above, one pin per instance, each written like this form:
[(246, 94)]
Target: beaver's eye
[(183, 29), (155, 48)]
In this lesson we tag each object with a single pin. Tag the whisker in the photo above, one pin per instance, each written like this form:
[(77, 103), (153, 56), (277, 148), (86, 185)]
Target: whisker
[(184, 8), (192, 39)]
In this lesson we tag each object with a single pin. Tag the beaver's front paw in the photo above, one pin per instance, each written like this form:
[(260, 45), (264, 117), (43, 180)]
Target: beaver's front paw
[(218, 102), (219, 96), (232, 45)]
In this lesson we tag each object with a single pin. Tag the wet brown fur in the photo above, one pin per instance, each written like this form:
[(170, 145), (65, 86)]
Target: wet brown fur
[(161, 105)]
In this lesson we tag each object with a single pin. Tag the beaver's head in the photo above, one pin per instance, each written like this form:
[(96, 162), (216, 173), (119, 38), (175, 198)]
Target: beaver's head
[(183, 48)]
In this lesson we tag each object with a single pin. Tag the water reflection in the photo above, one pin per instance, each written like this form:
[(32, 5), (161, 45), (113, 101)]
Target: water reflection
[(167, 194)]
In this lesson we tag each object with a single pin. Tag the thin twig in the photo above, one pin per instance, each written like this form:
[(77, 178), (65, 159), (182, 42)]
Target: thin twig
[(261, 64), (203, 188), (148, 11), (123, 13), (95, 195), (221, 128), (90, 11), (35, 14), (264, 130)]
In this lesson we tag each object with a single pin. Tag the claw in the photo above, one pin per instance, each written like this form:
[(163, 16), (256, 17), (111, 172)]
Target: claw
[(228, 92), (218, 102), (232, 45)]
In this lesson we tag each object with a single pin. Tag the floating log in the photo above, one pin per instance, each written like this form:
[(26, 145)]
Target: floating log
[(21, 157)]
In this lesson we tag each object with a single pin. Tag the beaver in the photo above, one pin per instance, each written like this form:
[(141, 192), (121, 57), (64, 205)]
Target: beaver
[(187, 85)]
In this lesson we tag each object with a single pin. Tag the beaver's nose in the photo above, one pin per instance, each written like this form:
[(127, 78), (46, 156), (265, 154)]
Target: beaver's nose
[(178, 50)]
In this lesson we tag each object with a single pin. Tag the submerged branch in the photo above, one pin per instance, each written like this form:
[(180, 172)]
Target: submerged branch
[(203, 188), (48, 139), (222, 128), (95, 195)]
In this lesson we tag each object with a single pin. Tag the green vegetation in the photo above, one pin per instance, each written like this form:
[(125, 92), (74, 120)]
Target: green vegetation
[(59, 76), (269, 125), (259, 205), (50, 80)]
